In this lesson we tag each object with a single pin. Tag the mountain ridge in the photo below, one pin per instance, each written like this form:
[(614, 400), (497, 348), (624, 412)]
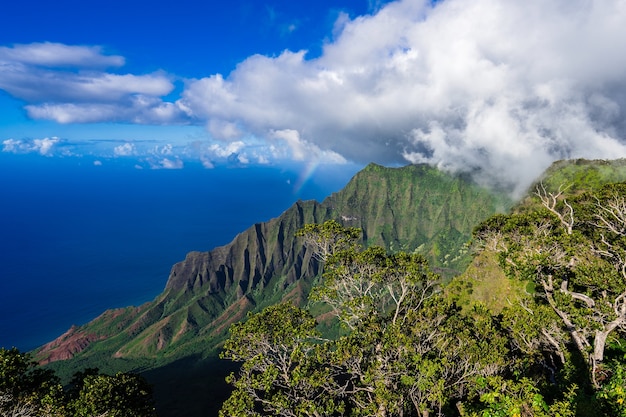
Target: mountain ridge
[(173, 340), (413, 208)]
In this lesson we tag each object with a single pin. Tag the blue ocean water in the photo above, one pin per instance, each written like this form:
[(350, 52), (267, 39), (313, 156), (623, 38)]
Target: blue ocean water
[(76, 239)]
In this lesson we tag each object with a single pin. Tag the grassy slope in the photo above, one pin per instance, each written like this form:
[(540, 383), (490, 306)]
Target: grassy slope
[(484, 281)]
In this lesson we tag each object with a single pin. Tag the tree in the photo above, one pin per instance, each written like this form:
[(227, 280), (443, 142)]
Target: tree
[(25, 388), (329, 239), (574, 250), (119, 395), (406, 350), (505, 397), (409, 350), (281, 374)]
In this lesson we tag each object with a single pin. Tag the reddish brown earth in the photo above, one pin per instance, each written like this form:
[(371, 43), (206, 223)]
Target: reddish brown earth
[(66, 346)]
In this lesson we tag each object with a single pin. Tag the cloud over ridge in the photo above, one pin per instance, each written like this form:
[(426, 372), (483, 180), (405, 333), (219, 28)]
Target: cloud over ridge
[(491, 85), (494, 87)]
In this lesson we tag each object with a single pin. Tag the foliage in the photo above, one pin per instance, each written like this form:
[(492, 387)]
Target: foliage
[(574, 250), (28, 390), (281, 373), (583, 175), (119, 395), (613, 393), (508, 398), (408, 350)]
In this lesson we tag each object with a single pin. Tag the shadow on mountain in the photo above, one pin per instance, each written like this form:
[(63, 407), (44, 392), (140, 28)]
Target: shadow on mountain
[(191, 386)]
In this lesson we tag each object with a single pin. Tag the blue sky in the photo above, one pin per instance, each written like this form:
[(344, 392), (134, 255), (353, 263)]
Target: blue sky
[(493, 87)]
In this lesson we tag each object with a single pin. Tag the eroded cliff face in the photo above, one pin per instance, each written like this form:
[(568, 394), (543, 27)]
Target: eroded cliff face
[(411, 208), (255, 257)]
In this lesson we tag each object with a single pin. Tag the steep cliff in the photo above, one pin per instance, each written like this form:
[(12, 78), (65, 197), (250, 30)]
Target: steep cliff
[(415, 208)]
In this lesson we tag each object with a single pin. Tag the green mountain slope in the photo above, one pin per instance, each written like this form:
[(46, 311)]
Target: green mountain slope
[(173, 339), (411, 208), (415, 208), (484, 280)]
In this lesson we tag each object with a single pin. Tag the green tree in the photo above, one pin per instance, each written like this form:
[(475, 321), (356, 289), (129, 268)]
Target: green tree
[(574, 251), (406, 350), (612, 395), (509, 398), (119, 395), (26, 388), (409, 351), (282, 374)]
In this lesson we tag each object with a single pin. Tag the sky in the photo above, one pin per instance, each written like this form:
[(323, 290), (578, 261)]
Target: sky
[(496, 88)]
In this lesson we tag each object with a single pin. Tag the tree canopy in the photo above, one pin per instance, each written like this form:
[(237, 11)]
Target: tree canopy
[(27, 390), (405, 349)]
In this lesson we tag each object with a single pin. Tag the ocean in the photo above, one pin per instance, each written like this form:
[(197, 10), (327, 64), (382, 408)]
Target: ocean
[(77, 238)]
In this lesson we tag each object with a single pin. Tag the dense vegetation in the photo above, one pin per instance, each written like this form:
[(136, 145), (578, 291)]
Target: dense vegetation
[(26, 390), (409, 349)]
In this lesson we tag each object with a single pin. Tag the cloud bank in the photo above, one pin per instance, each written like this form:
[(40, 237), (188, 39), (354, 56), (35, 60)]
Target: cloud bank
[(493, 87)]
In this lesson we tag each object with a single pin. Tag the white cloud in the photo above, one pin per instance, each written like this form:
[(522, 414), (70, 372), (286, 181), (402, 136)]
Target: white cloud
[(221, 129), (167, 163), (262, 159), (166, 149), (206, 162), (63, 83), (302, 150), (127, 149), (42, 146), (224, 151), (59, 55), (97, 163), (53, 86), (497, 87), (138, 110), (493, 85)]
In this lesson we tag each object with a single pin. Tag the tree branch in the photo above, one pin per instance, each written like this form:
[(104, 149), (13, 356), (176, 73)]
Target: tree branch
[(577, 296), (550, 200)]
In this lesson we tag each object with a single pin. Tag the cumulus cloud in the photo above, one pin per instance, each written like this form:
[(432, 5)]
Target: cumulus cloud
[(167, 163), (494, 87), (240, 152), (127, 149), (224, 151), (167, 149), (497, 88), (64, 83), (302, 150), (43, 146), (206, 162), (221, 129)]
